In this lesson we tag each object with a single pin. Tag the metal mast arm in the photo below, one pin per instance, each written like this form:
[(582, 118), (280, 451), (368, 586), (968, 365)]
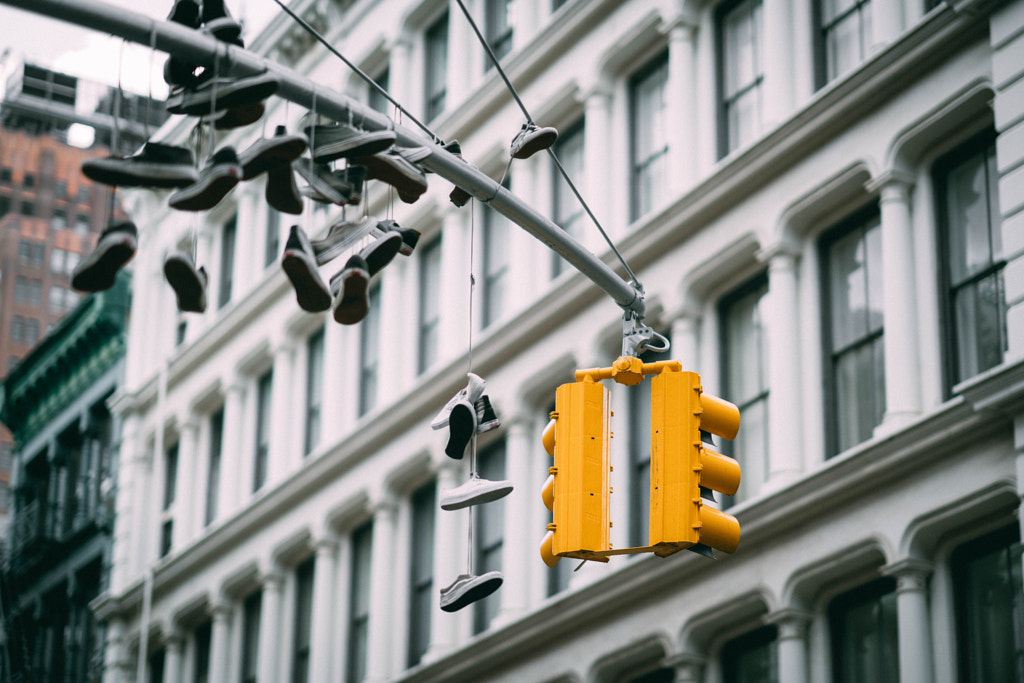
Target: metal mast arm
[(203, 49)]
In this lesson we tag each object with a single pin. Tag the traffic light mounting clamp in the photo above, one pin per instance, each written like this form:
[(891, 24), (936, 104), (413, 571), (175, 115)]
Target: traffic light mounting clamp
[(637, 337)]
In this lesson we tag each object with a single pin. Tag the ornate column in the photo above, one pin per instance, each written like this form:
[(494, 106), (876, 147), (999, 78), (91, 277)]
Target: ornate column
[(914, 626), (270, 623), (689, 667), (785, 451), (115, 656), (902, 373), (681, 95), (793, 624), (378, 649), (596, 157), (220, 642), (172, 657), (321, 646)]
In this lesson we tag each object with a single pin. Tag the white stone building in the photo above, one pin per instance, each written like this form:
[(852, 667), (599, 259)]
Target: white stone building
[(825, 204)]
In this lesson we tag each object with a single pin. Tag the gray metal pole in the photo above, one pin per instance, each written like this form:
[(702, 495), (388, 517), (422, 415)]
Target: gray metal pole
[(203, 49)]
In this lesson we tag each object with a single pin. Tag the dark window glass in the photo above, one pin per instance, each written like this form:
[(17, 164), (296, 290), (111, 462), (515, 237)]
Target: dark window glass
[(170, 476), (273, 241), (303, 621), (844, 39), (202, 652), (29, 180), (967, 188), (853, 284), (566, 208), (422, 601), (498, 29), (490, 534), (752, 657), (436, 80), (865, 644), (227, 261), (264, 394), (28, 208), (741, 73), (989, 592), (649, 136), (369, 354), (430, 304), (213, 468), (376, 99), (314, 388), (251, 636), (359, 603), (18, 329)]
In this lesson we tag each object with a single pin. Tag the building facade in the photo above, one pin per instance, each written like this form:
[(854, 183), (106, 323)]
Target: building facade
[(65, 471), (825, 204)]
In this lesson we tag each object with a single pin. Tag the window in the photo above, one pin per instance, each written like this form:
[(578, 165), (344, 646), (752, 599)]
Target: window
[(63, 262), (649, 136), (369, 354), (498, 28), (273, 238), (865, 645), (972, 274), (303, 620), (18, 329), (752, 657), (156, 667), (170, 476), (81, 225), (314, 388), (28, 208), (84, 194), (213, 467), (202, 654), (29, 180), (24, 251), (35, 293), (421, 594), (495, 263), (566, 208), (251, 609), (844, 36), (639, 399), (5, 175), (59, 219), (376, 99), (740, 74), (436, 79), (745, 377), (62, 299), (21, 290), (429, 305), (32, 331), (264, 394), (852, 259), (60, 189), (5, 205), (490, 533), (988, 590), (227, 261), (359, 603)]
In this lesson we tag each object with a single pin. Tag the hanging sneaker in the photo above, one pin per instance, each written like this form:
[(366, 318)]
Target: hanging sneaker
[(476, 491), (486, 418), (470, 393), (115, 247), (394, 168), (220, 175), (158, 165), (230, 94), (461, 428), (236, 117), (299, 265), (381, 251), (266, 153), (189, 284), (220, 24), (340, 140), (349, 288), (531, 139), (467, 589), (340, 236), (410, 237), (281, 192)]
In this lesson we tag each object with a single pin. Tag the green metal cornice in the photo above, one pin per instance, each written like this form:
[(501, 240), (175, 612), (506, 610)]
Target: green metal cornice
[(87, 342)]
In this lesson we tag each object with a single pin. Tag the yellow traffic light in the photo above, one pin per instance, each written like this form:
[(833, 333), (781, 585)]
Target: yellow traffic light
[(681, 465), (577, 489)]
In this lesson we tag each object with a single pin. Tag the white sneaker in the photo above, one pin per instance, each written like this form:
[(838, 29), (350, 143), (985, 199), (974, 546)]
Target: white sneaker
[(474, 492), (467, 589), (473, 390)]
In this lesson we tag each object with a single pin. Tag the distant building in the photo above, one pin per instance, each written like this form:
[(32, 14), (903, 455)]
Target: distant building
[(65, 469)]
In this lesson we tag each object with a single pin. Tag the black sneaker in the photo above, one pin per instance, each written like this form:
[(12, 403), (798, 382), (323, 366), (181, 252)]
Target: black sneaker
[(115, 247), (189, 284), (281, 192), (236, 117), (349, 288), (332, 142), (461, 428), (267, 153), (381, 252), (486, 418), (467, 589), (218, 22), (299, 265), (410, 237), (230, 93), (394, 168), (158, 165), (531, 139), (216, 180), (186, 13)]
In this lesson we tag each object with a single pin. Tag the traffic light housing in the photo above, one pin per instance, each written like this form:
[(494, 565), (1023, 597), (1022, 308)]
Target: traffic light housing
[(681, 465), (577, 489)]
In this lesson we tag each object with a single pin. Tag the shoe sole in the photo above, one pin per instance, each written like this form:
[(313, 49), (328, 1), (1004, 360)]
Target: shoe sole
[(274, 153), (310, 291), (229, 96), (212, 192), (354, 305), (476, 499), (441, 420), (478, 592), (142, 174), (281, 192), (361, 145), (100, 269), (186, 286), (461, 428)]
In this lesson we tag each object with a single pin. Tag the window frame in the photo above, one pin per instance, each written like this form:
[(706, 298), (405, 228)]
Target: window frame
[(302, 631), (228, 236), (562, 195), (822, 77), (423, 502), (491, 466), (638, 168), (314, 390), (724, 60), (428, 322), (213, 466), (435, 67), (357, 634), (369, 353), (871, 592), (264, 407)]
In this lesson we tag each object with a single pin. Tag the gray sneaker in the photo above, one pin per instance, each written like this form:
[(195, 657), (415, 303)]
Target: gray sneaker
[(474, 492), (340, 236), (467, 589), (332, 142), (531, 140), (471, 393)]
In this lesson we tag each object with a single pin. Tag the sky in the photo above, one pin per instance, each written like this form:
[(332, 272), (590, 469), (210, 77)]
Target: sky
[(88, 54)]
